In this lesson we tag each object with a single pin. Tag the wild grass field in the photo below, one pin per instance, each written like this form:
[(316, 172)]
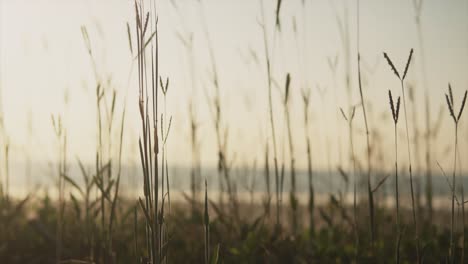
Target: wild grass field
[(349, 169)]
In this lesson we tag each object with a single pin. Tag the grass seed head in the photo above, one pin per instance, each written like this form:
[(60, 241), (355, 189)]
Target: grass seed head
[(408, 63), (129, 36), (462, 106), (450, 108), (390, 97), (146, 23), (397, 109), (344, 115), (389, 61), (305, 96), (450, 94), (286, 87)]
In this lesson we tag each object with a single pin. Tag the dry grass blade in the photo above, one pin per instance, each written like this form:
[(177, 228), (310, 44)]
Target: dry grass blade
[(390, 97), (286, 87), (450, 107), (146, 23), (397, 109), (381, 182), (143, 166), (408, 63), (389, 61), (450, 94), (462, 106), (148, 41), (168, 130), (145, 211), (129, 36), (448, 181), (343, 114), (164, 87), (138, 18), (278, 8), (305, 93), (332, 63), (84, 32), (343, 175), (73, 183)]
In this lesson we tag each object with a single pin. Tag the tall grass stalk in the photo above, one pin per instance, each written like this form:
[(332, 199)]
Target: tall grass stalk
[(221, 133), (402, 79), (165, 128), (99, 177), (61, 134), (456, 120), (28, 160), (88, 205), (395, 109), (292, 195), (272, 119), (206, 223), (163, 232), (112, 217), (195, 172), (343, 27), (101, 182), (417, 149), (417, 6), (149, 150), (369, 189), (349, 120), (326, 137), (311, 203)]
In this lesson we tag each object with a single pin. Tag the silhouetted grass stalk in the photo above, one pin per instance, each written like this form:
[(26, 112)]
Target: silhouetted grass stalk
[(149, 150), (61, 134), (456, 120), (395, 114), (369, 189), (311, 203), (292, 196), (272, 122), (221, 133), (402, 78), (349, 120), (417, 5)]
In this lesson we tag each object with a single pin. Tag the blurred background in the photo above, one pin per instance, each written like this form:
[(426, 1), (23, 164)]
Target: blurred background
[(45, 71)]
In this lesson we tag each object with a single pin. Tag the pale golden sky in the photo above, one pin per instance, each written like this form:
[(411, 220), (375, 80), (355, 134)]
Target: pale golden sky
[(43, 57)]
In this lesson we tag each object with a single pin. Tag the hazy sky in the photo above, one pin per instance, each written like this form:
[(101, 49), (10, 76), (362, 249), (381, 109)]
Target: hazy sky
[(43, 60)]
